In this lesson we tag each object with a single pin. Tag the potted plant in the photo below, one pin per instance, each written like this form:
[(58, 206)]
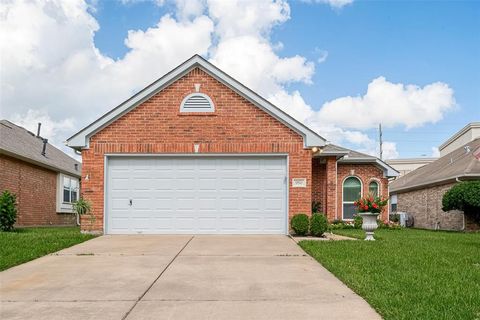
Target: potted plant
[(369, 208), (81, 207)]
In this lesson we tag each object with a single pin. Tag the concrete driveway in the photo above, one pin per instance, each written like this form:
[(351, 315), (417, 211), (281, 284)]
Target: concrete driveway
[(178, 277)]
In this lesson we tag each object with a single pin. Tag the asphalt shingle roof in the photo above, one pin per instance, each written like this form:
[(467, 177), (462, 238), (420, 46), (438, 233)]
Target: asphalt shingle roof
[(20, 143), (462, 162), (352, 154)]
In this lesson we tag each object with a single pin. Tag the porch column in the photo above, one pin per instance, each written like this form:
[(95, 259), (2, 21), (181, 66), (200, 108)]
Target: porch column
[(331, 192)]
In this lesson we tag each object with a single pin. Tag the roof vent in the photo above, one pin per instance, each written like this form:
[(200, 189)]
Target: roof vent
[(467, 149), (197, 102), (38, 129), (44, 149)]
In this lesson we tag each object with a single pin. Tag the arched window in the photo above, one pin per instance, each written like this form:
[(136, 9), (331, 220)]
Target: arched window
[(373, 188), (352, 190), (197, 102)]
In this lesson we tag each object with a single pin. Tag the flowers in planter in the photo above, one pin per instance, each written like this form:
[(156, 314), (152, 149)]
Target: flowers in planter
[(370, 203)]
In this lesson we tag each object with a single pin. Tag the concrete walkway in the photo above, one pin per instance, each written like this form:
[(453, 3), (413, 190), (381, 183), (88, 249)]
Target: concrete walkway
[(178, 277)]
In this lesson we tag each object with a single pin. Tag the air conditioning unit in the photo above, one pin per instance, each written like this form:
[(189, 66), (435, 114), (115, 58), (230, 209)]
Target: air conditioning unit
[(403, 217)]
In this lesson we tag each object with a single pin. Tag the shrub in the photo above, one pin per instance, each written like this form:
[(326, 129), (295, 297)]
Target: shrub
[(318, 224), (339, 224), (8, 210), (395, 217), (357, 221), (464, 196), (300, 224)]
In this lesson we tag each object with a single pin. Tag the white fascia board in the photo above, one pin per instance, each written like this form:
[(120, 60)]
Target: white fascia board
[(388, 171), (81, 139)]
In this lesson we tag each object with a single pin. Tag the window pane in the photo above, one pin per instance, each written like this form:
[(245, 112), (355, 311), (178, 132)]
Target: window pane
[(74, 195), (66, 182), (373, 188), (66, 194), (352, 189), (349, 210), (74, 183)]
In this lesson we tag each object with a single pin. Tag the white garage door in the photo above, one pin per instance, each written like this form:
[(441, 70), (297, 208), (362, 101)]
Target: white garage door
[(211, 195)]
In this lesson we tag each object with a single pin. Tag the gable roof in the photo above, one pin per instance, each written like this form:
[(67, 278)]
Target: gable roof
[(462, 163), (351, 156), (19, 143), (81, 139)]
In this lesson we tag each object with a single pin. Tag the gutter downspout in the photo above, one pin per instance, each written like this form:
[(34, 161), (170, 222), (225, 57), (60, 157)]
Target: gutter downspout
[(463, 214), (336, 189)]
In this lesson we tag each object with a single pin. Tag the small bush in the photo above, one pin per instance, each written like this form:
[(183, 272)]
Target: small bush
[(318, 224), (300, 224), (338, 225), (357, 221), (8, 210), (395, 217)]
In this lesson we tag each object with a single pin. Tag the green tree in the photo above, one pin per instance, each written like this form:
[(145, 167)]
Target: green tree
[(464, 196)]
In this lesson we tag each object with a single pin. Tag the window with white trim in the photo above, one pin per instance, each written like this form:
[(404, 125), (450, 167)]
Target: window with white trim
[(352, 190), (197, 102), (70, 189), (373, 188)]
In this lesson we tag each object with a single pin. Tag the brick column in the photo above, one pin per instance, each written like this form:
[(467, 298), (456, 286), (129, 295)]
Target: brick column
[(331, 192)]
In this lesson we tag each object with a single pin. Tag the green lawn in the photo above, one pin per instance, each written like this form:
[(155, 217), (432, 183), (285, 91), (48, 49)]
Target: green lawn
[(408, 274), (26, 244)]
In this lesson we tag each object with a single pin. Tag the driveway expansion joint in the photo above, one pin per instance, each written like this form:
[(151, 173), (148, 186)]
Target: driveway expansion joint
[(156, 279)]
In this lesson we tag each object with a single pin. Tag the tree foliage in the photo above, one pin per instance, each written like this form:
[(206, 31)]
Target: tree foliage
[(464, 196)]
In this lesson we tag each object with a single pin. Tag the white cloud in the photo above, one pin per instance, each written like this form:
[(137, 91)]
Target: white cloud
[(50, 62), (50, 129), (435, 152), (337, 4), (52, 71), (391, 104), (322, 55)]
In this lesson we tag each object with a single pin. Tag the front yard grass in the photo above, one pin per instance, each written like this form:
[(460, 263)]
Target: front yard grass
[(408, 274), (25, 244)]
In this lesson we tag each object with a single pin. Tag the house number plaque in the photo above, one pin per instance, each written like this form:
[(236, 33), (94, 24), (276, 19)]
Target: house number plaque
[(299, 182)]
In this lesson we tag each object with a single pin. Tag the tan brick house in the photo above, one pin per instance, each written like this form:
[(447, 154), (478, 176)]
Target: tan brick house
[(198, 152), (45, 180), (420, 192)]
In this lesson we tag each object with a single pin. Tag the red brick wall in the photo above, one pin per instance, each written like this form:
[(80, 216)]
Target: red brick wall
[(319, 182), (325, 186), (425, 205), (366, 173), (156, 126), (35, 188)]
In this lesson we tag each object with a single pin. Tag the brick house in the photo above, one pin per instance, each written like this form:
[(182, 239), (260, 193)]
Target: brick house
[(198, 152), (420, 192), (45, 179)]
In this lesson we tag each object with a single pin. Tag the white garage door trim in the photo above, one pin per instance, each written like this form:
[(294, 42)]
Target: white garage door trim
[(213, 155)]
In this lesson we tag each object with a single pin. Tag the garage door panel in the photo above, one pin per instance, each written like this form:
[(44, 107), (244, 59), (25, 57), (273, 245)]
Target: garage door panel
[(196, 195)]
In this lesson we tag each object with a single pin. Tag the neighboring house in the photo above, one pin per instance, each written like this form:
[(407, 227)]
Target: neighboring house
[(468, 133), (420, 192), (45, 180), (407, 165), (198, 152)]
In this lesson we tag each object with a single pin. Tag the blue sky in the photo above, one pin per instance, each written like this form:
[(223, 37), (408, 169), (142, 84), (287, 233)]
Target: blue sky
[(406, 41), (422, 43)]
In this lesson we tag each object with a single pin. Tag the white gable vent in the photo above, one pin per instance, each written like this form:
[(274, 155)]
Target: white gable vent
[(197, 102)]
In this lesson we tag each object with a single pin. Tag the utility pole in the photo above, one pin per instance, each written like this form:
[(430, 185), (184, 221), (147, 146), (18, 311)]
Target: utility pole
[(380, 140)]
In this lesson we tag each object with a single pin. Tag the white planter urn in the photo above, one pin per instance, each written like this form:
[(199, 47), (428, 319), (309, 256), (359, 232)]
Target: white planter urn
[(369, 224)]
